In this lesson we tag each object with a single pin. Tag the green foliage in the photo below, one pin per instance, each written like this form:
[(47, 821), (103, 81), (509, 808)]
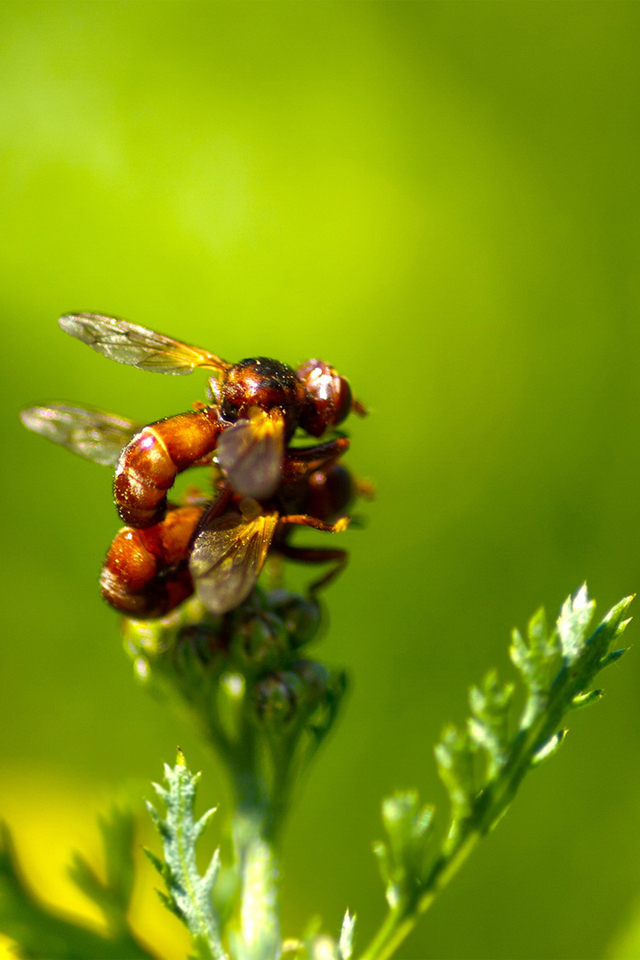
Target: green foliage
[(347, 931), (401, 860), (189, 894), (38, 931), (242, 680), (113, 894), (483, 764)]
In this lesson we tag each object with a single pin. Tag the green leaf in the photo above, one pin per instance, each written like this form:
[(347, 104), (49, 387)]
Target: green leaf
[(38, 931), (488, 725), (189, 893), (408, 827), (558, 671), (535, 659), (572, 624), (113, 894), (454, 756), (550, 748), (345, 944)]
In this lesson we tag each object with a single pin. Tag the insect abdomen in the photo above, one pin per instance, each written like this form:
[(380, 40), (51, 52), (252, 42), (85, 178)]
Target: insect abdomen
[(149, 464), (145, 573)]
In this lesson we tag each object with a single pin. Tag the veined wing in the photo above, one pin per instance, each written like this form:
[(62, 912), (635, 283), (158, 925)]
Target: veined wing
[(136, 346), (227, 557), (89, 432), (251, 453)]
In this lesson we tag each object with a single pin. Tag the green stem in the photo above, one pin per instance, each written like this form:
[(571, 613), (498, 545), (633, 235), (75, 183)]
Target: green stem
[(400, 921), (255, 853), (259, 937)]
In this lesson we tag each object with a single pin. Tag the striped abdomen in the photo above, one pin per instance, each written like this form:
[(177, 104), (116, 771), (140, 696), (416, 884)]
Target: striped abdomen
[(146, 572), (148, 466)]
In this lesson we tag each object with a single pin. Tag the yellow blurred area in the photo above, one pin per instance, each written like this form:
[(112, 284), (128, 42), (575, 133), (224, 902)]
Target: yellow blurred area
[(51, 818)]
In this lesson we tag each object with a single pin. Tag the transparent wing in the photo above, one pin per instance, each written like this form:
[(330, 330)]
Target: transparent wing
[(251, 453), (227, 557), (136, 346), (91, 433)]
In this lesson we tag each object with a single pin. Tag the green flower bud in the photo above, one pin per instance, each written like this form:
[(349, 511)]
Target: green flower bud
[(276, 697), (301, 616), (204, 640), (315, 679), (260, 640)]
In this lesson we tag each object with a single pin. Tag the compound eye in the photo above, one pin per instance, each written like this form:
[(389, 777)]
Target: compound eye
[(328, 397), (343, 400)]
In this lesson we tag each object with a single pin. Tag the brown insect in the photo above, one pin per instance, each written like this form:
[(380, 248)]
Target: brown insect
[(255, 407), (219, 550), (221, 546)]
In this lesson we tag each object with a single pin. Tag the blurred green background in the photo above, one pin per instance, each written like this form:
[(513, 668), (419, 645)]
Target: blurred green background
[(442, 200)]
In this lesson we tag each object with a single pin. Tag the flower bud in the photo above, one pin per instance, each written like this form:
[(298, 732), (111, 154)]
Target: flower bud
[(277, 696), (301, 616), (203, 640), (315, 679), (260, 640)]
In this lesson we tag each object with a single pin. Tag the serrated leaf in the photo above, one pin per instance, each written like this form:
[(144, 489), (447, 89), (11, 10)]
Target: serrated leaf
[(38, 931), (558, 671), (572, 624), (402, 859), (189, 892), (488, 726), (454, 756), (535, 659), (345, 944)]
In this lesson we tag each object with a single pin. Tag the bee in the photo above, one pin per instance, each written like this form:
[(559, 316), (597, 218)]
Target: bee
[(255, 407)]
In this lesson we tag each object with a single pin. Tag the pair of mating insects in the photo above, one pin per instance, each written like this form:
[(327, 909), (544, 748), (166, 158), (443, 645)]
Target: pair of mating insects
[(263, 487)]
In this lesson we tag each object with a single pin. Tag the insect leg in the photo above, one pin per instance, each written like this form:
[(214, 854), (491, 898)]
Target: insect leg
[(301, 462), (304, 520), (314, 555)]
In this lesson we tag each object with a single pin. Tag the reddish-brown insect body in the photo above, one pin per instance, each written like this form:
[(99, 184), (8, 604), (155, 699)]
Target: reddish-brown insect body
[(264, 383), (267, 487), (328, 397), (258, 404), (146, 572), (149, 464), (325, 494)]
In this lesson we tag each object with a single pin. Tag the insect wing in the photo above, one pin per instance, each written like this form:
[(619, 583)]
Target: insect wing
[(93, 434), (136, 346), (251, 454), (227, 557)]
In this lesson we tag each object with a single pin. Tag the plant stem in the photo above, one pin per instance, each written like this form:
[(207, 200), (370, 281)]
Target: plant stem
[(255, 853), (400, 921), (259, 874)]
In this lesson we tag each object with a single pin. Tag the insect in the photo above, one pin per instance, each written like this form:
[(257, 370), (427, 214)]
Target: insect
[(219, 550), (219, 545), (255, 407)]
